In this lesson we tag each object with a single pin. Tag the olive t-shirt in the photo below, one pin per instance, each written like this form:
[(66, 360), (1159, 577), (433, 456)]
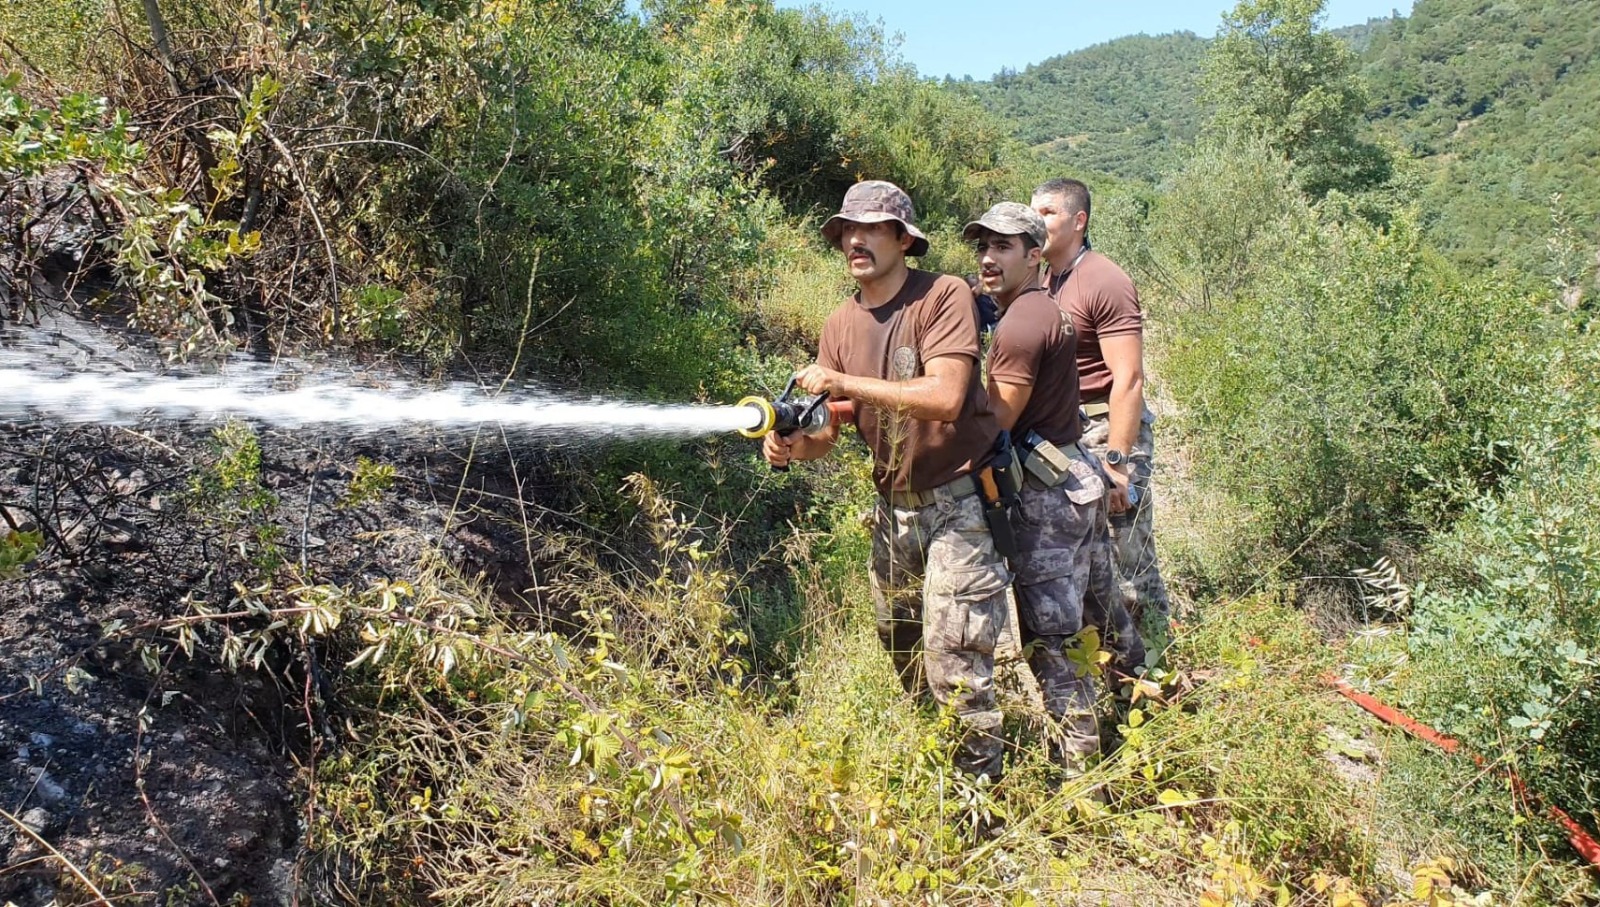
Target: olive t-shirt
[(933, 315), (1034, 345), (1101, 301)]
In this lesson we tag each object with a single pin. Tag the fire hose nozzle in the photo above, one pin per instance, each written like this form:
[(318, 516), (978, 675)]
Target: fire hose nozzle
[(808, 415), (769, 417)]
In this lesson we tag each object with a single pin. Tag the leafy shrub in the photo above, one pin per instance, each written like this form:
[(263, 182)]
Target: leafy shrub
[(17, 549), (1230, 216), (56, 38), (1334, 378), (162, 246), (231, 497), (1502, 638)]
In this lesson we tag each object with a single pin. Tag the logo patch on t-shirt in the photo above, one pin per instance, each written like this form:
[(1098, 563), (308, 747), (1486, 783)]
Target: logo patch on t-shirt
[(905, 363)]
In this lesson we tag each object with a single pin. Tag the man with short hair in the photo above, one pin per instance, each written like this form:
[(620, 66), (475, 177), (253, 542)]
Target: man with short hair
[(904, 348), (1104, 307), (1033, 388)]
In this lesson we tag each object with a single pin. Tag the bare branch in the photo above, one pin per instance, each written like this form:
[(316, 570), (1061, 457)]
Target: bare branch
[(99, 896)]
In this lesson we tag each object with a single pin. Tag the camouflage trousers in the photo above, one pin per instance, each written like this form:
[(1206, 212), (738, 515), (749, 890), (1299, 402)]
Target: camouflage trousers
[(1133, 537), (1058, 530), (939, 593), (1106, 604)]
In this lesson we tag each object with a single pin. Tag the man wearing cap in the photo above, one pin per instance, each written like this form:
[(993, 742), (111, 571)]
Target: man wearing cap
[(1104, 307), (1033, 387), (905, 349)]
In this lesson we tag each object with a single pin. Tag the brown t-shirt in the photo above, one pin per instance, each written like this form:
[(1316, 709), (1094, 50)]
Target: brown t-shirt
[(933, 315), (1034, 345), (1101, 301)]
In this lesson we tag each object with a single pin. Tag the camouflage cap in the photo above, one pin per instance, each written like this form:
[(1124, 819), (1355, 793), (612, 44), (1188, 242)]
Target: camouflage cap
[(875, 201), (1011, 219)]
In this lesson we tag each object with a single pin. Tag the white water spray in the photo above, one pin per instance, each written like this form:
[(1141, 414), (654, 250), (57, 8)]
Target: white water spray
[(32, 387)]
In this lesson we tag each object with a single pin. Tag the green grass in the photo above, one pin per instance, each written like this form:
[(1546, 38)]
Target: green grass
[(638, 763)]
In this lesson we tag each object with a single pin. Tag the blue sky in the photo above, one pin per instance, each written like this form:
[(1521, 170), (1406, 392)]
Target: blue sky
[(971, 37)]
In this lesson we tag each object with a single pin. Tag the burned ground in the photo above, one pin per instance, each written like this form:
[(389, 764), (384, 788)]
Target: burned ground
[(162, 772)]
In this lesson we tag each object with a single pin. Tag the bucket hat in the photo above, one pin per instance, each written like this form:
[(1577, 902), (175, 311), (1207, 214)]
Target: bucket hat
[(875, 201), (1010, 219)]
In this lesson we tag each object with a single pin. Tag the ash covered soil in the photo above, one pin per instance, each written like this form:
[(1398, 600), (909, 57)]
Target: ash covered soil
[(162, 775)]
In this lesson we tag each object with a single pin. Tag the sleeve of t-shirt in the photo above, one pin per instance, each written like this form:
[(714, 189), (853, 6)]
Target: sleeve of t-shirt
[(828, 346), (1019, 342), (1115, 307), (951, 325)]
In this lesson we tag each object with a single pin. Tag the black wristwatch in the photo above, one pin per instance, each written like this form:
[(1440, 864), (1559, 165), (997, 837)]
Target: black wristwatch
[(1115, 457)]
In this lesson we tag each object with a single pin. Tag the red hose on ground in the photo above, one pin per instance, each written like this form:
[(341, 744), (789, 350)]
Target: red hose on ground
[(1582, 842)]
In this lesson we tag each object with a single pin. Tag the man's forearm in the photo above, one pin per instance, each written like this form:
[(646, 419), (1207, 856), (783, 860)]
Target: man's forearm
[(1126, 411), (929, 397)]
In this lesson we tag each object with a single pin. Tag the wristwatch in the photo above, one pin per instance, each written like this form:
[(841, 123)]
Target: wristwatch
[(1115, 457)]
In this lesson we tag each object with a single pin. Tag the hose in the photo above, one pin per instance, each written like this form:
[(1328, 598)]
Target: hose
[(1586, 846)]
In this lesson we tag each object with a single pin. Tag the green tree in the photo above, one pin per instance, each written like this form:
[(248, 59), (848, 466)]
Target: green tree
[(1230, 216), (1272, 72)]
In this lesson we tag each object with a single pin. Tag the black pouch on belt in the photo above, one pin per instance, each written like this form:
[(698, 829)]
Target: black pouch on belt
[(1000, 484)]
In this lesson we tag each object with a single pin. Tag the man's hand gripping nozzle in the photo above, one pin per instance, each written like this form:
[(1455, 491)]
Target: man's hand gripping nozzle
[(787, 415)]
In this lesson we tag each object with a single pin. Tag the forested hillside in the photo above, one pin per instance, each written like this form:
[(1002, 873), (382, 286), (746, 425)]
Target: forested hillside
[(1360, 37), (1498, 103), (1502, 104), (1121, 108)]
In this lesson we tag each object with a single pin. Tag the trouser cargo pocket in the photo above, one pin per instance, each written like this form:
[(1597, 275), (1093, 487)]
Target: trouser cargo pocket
[(962, 609)]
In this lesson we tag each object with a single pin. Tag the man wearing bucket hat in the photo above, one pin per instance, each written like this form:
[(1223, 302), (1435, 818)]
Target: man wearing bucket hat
[(1060, 521), (1104, 307), (905, 349)]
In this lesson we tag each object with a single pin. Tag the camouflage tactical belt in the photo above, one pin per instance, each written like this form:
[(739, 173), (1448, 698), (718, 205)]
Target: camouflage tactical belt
[(955, 489)]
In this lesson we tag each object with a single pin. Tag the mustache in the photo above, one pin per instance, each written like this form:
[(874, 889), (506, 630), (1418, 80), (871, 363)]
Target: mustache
[(858, 251)]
